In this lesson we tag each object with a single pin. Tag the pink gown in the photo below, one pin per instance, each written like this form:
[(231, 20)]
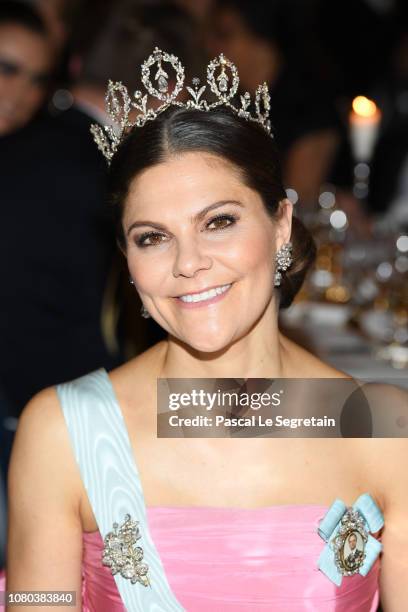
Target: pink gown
[(237, 560), (214, 559), (241, 560)]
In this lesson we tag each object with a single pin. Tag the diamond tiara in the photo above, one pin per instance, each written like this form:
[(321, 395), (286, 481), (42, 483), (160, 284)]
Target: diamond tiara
[(119, 103)]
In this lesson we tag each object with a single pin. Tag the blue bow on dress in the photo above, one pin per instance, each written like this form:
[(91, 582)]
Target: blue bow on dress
[(339, 522)]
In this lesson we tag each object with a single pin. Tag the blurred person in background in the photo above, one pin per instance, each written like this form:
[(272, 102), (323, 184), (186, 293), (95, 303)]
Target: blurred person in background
[(256, 37), (266, 42), (52, 300), (129, 32), (63, 19), (48, 298), (198, 10), (56, 14), (26, 63)]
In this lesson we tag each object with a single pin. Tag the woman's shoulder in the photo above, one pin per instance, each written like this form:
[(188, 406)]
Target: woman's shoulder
[(42, 449), (42, 424), (42, 416)]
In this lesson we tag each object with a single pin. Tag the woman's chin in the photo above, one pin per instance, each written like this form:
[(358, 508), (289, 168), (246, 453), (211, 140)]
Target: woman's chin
[(208, 344)]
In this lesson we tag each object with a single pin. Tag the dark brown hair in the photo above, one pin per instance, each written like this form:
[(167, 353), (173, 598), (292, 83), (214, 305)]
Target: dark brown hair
[(24, 15), (245, 144)]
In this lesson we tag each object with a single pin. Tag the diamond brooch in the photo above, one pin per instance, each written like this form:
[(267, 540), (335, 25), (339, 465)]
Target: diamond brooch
[(121, 554), (351, 547), (349, 543)]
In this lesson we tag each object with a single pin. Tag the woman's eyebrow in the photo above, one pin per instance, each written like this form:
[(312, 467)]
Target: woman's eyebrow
[(198, 217)]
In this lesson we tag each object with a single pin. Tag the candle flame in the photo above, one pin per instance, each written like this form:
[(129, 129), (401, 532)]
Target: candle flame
[(364, 107)]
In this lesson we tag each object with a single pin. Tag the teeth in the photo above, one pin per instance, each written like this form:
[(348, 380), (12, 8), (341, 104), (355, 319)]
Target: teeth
[(206, 295)]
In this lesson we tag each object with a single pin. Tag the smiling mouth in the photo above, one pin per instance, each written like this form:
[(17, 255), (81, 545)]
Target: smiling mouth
[(204, 296)]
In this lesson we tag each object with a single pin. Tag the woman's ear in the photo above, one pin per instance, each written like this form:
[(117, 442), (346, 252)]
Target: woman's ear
[(284, 223)]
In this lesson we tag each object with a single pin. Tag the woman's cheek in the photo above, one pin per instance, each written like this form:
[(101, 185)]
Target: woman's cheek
[(253, 252), (150, 273)]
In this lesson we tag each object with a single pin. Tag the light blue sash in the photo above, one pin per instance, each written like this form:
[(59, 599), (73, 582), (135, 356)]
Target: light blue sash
[(104, 454)]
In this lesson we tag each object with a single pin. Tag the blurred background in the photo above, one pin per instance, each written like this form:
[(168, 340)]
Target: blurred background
[(338, 77)]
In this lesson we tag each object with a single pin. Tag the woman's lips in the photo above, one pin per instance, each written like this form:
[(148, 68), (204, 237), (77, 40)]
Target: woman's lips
[(202, 303)]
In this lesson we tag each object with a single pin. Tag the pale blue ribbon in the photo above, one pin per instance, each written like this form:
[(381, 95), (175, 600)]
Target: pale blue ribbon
[(330, 525)]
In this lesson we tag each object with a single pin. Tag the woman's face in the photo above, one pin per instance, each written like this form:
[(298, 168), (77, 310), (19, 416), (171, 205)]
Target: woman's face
[(200, 249)]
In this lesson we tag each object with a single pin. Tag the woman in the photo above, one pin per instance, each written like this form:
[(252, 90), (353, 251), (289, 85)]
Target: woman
[(230, 524)]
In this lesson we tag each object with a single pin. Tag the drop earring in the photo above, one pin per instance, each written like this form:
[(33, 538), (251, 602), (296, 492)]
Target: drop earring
[(144, 312), (283, 261)]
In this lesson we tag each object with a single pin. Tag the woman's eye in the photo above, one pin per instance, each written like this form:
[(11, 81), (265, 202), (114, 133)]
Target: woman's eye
[(221, 222), (216, 223), (8, 68), (149, 239)]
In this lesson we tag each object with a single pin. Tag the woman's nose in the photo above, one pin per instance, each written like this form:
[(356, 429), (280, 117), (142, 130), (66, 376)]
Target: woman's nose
[(189, 259)]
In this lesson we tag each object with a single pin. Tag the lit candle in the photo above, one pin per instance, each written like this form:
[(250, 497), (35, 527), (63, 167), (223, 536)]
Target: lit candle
[(365, 120)]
